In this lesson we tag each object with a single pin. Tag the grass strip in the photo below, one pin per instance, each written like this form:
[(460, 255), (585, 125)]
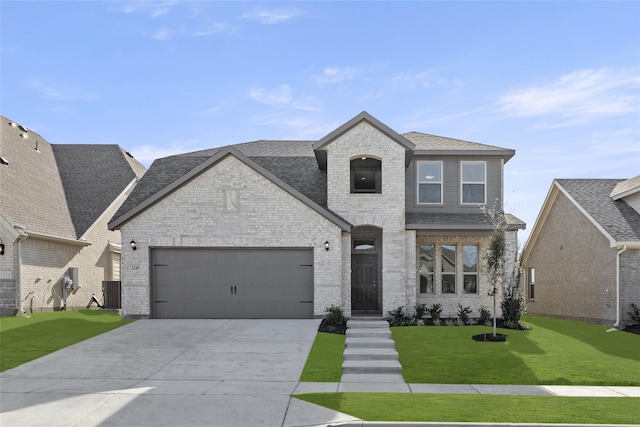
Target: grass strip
[(480, 408), (324, 363), (23, 339)]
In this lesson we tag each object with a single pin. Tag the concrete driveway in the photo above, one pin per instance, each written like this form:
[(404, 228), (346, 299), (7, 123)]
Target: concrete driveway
[(164, 373)]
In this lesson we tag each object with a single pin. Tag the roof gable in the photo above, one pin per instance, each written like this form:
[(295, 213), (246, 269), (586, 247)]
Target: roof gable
[(626, 188), (199, 166), (615, 219), (319, 147)]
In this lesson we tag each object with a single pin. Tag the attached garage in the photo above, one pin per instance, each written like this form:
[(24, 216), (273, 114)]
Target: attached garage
[(232, 283)]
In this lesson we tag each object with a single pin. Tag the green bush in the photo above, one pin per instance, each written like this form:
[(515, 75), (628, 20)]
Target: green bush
[(334, 316), (634, 313), (485, 316), (435, 311), (398, 317), (463, 314), (421, 311)]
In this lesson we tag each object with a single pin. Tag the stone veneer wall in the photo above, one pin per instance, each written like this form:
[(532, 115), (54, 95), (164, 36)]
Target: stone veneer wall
[(385, 210), (231, 205)]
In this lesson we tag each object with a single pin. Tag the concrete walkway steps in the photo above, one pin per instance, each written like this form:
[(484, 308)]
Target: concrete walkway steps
[(370, 353)]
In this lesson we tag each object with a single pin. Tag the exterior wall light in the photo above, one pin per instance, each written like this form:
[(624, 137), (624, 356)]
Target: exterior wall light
[(133, 245), (1, 248), (326, 245)]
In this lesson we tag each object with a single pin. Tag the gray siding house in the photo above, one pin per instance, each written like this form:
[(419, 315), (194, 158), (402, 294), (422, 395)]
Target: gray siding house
[(365, 218), (583, 256), (55, 202)]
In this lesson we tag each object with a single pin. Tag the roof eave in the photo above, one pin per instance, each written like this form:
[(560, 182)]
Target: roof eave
[(505, 154)]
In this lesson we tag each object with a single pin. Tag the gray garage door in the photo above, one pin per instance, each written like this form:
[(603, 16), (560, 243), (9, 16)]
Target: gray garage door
[(232, 283)]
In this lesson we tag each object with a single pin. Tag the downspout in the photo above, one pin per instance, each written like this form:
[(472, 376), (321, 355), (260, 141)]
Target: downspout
[(617, 324)]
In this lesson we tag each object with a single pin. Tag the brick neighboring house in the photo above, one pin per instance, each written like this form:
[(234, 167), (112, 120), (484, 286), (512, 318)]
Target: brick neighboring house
[(365, 218), (55, 201), (583, 255)]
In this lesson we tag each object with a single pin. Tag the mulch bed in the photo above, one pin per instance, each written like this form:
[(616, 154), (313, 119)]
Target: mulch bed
[(490, 337), (634, 329), (325, 326)]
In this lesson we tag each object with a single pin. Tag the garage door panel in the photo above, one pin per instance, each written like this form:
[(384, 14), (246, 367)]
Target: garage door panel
[(232, 283)]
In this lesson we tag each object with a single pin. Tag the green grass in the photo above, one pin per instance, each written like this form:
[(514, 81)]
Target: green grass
[(553, 352), (23, 339), (324, 363), (480, 408)]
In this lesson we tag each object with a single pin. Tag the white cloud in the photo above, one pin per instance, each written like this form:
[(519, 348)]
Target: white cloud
[(576, 98), (62, 94), (165, 33), (270, 17), (332, 75), (282, 95), (151, 8), (211, 29)]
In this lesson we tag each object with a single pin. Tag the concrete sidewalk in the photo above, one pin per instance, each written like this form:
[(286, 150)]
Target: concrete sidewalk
[(304, 414)]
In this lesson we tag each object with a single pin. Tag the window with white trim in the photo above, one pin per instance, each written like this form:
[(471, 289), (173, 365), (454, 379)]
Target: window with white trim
[(448, 268), (429, 182), (470, 269), (473, 182)]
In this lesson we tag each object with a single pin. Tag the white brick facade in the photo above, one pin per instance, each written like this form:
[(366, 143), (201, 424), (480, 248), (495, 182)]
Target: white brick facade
[(263, 215), (385, 210)]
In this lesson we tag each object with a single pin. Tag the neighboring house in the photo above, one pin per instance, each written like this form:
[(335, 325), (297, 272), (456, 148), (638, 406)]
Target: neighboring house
[(365, 219), (583, 255), (55, 201)]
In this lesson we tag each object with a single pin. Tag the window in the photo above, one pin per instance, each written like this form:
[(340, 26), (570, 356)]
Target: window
[(425, 267), (470, 268), (532, 282), (448, 269), (366, 175), (363, 245), (429, 182), (473, 182)]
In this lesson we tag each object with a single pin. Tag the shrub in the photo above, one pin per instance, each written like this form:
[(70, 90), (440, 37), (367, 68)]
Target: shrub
[(333, 321), (435, 311), (463, 314), (334, 315), (485, 316), (634, 313), (421, 310), (398, 317)]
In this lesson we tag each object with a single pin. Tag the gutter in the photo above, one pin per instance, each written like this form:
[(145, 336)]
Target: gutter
[(624, 248)]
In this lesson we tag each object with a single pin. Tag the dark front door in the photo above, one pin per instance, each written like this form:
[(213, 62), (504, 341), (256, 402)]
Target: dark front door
[(364, 282)]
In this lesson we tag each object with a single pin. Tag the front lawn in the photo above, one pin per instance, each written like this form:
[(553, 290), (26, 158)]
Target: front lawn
[(480, 408), (23, 339), (324, 363), (553, 352)]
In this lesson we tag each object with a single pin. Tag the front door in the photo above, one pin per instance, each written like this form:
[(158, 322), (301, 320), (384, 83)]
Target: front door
[(364, 282)]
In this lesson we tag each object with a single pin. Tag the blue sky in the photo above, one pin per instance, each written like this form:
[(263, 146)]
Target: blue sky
[(559, 82)]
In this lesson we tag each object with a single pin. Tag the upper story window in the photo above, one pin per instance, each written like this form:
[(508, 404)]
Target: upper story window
[(429, 182), (473, 182), (366, 175)]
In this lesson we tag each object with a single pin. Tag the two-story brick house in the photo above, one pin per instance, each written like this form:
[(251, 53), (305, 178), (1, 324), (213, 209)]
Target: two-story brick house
[(365, 219)]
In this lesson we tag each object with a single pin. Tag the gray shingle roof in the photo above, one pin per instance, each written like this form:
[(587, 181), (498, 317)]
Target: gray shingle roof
[(59, 190), (616, 217), (460, 221), (92, 176), (434, 144), (31, 187)]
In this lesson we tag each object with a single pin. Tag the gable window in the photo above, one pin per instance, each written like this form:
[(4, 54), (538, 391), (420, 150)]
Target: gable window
[(425, 266), (473, 182), (429, 182), (470, 268), (448, 269), (366, 175)]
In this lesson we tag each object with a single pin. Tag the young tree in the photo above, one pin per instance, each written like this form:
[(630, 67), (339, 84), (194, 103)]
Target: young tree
[(497, 270)]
